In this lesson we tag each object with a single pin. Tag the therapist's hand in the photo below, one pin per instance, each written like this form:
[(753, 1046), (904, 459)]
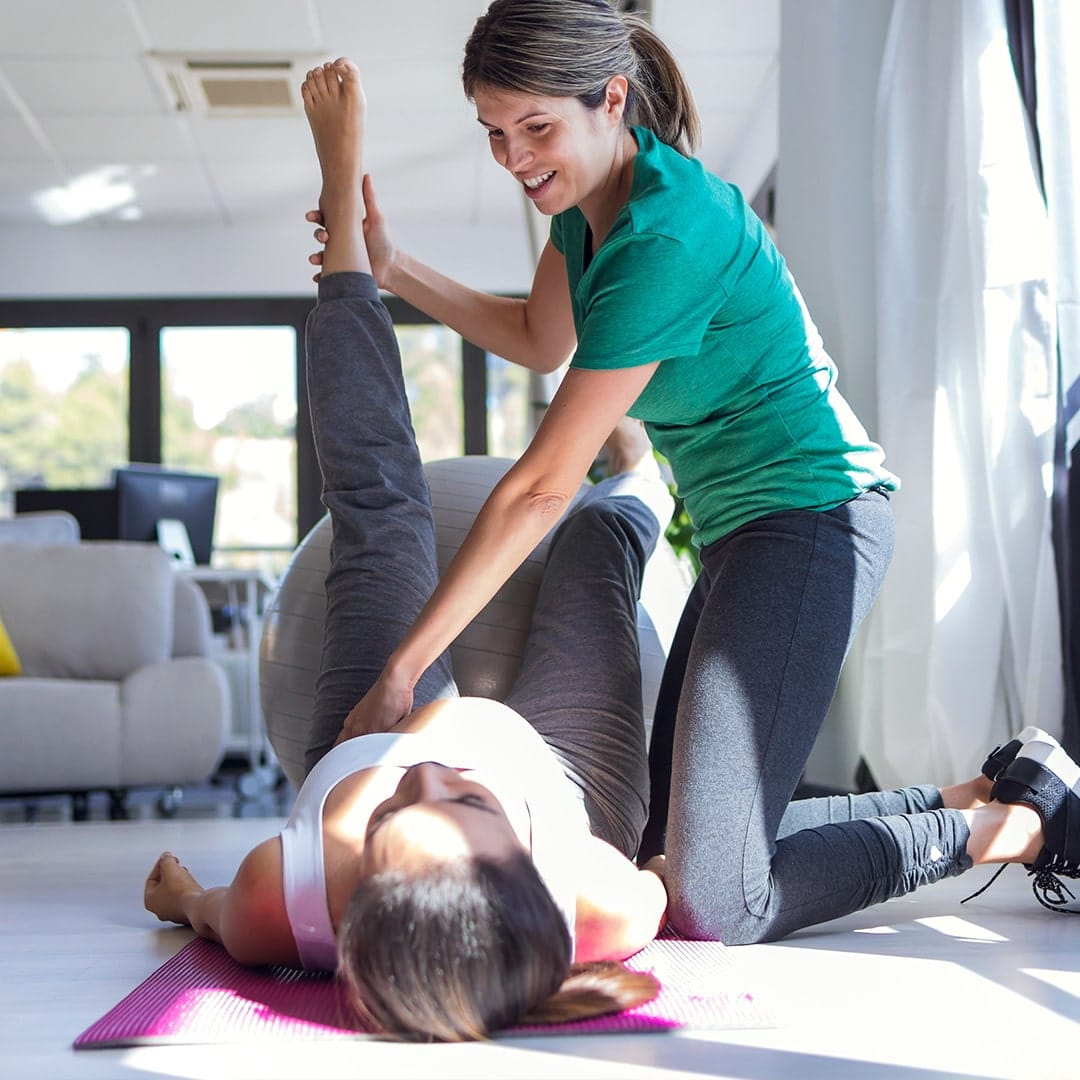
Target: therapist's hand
[(387, 702)]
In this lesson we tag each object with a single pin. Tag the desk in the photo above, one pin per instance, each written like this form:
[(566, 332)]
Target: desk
[(243, 589)]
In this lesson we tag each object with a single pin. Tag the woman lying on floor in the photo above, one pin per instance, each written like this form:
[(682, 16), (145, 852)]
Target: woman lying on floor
[(458, 868)]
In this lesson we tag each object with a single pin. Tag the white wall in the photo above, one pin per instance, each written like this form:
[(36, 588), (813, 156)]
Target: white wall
[(256, 258), (830, 56)]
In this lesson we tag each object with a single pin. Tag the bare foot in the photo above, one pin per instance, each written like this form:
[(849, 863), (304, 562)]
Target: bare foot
[(336, 109)]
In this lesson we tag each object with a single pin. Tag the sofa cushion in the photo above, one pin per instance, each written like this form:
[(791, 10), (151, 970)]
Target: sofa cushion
[(40, 527), (9, 658), (188, 698), (192, 629), (60, 735), (95, 610)]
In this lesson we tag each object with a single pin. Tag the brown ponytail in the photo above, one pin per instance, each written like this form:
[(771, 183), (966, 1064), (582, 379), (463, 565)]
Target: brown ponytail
[(663, 101), (572, 48), (595, 989)]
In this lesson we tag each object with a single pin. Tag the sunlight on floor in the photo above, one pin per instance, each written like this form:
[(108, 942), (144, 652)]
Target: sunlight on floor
[(956, 927), (1067, 981)]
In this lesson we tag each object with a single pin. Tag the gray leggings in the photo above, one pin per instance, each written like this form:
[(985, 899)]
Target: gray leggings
[(751, 674), (579, 683)]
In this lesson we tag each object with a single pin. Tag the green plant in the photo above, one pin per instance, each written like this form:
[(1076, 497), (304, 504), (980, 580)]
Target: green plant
[(680, 531)]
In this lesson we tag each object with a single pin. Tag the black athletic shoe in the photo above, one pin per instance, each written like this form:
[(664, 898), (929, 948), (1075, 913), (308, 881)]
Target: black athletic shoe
[(1044, 777), (1002, 755)]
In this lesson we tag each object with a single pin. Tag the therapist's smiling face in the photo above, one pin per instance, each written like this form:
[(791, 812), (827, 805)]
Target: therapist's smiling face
[(443, 813)]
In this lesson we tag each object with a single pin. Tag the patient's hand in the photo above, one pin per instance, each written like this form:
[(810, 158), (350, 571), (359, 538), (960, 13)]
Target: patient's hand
[(168, 888)]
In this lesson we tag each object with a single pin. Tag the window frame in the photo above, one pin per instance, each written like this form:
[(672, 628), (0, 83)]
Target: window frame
[(145, 317)]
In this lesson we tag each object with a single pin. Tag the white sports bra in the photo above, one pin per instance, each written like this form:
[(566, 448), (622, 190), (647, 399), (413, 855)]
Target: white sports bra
[(555, 811)]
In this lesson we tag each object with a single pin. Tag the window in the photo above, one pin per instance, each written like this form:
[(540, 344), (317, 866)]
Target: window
[(431, 363), (507, 407), (228, 407), (63, 406), (217, 384)]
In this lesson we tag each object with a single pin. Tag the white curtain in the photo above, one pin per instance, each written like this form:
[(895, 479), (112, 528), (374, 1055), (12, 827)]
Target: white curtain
[(1057, 79), (963, 646)]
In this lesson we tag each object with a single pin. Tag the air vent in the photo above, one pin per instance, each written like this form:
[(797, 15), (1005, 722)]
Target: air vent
[(247, 85)]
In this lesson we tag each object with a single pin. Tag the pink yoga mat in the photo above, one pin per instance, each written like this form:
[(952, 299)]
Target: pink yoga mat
[(202, 995)]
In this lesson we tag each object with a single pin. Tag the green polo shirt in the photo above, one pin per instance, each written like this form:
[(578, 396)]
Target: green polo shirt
[(744, 403)]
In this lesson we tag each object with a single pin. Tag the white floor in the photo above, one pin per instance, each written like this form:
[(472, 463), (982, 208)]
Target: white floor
[(919, 987)]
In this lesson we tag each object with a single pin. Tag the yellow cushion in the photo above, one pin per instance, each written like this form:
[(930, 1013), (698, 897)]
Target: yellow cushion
[(9, 658)]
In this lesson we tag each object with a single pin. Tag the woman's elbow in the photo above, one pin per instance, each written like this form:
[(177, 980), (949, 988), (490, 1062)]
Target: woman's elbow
[(548, 364), (547, 504)]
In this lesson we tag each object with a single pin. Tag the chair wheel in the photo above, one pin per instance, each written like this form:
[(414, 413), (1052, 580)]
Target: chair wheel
[(168, 803)]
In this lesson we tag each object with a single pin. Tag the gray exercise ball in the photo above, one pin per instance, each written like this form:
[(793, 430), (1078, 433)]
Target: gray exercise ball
[(487, 653)]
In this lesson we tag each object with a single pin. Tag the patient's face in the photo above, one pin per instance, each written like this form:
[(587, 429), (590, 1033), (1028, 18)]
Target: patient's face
[(444, 813)]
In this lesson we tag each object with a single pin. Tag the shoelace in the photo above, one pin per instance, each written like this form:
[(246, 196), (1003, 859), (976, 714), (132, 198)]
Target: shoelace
[(1055, 894), (1047, 885), (979, 892)]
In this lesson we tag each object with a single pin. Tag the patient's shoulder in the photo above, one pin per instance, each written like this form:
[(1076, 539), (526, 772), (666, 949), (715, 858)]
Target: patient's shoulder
[(620, 908), (255, 927)]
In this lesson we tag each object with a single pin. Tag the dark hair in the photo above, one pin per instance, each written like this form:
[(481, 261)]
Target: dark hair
[(465, 947), (571, 48)]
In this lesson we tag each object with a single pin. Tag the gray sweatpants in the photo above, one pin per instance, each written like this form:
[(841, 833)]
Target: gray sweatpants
[(752, 671), (579, 683)]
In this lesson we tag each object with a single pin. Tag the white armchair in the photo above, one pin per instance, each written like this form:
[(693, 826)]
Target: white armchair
[(117, 690)]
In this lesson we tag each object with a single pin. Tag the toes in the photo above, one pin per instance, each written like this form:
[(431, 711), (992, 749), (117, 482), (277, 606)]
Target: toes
[(324, 82), (346, 69), (317, 86), (309, 89)]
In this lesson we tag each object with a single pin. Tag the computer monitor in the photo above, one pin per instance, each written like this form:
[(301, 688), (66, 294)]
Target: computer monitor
[(93, 508), (147, 495)]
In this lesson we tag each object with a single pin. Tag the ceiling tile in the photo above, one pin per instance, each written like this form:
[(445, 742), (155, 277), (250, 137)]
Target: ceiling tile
[(405, 30), (283, 190), (85, 87), (447, 190), (233, 26), (7, 106), (174, 191), (68, 28), (16, 142), (265, 138), (117, 138), (19, 180)]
